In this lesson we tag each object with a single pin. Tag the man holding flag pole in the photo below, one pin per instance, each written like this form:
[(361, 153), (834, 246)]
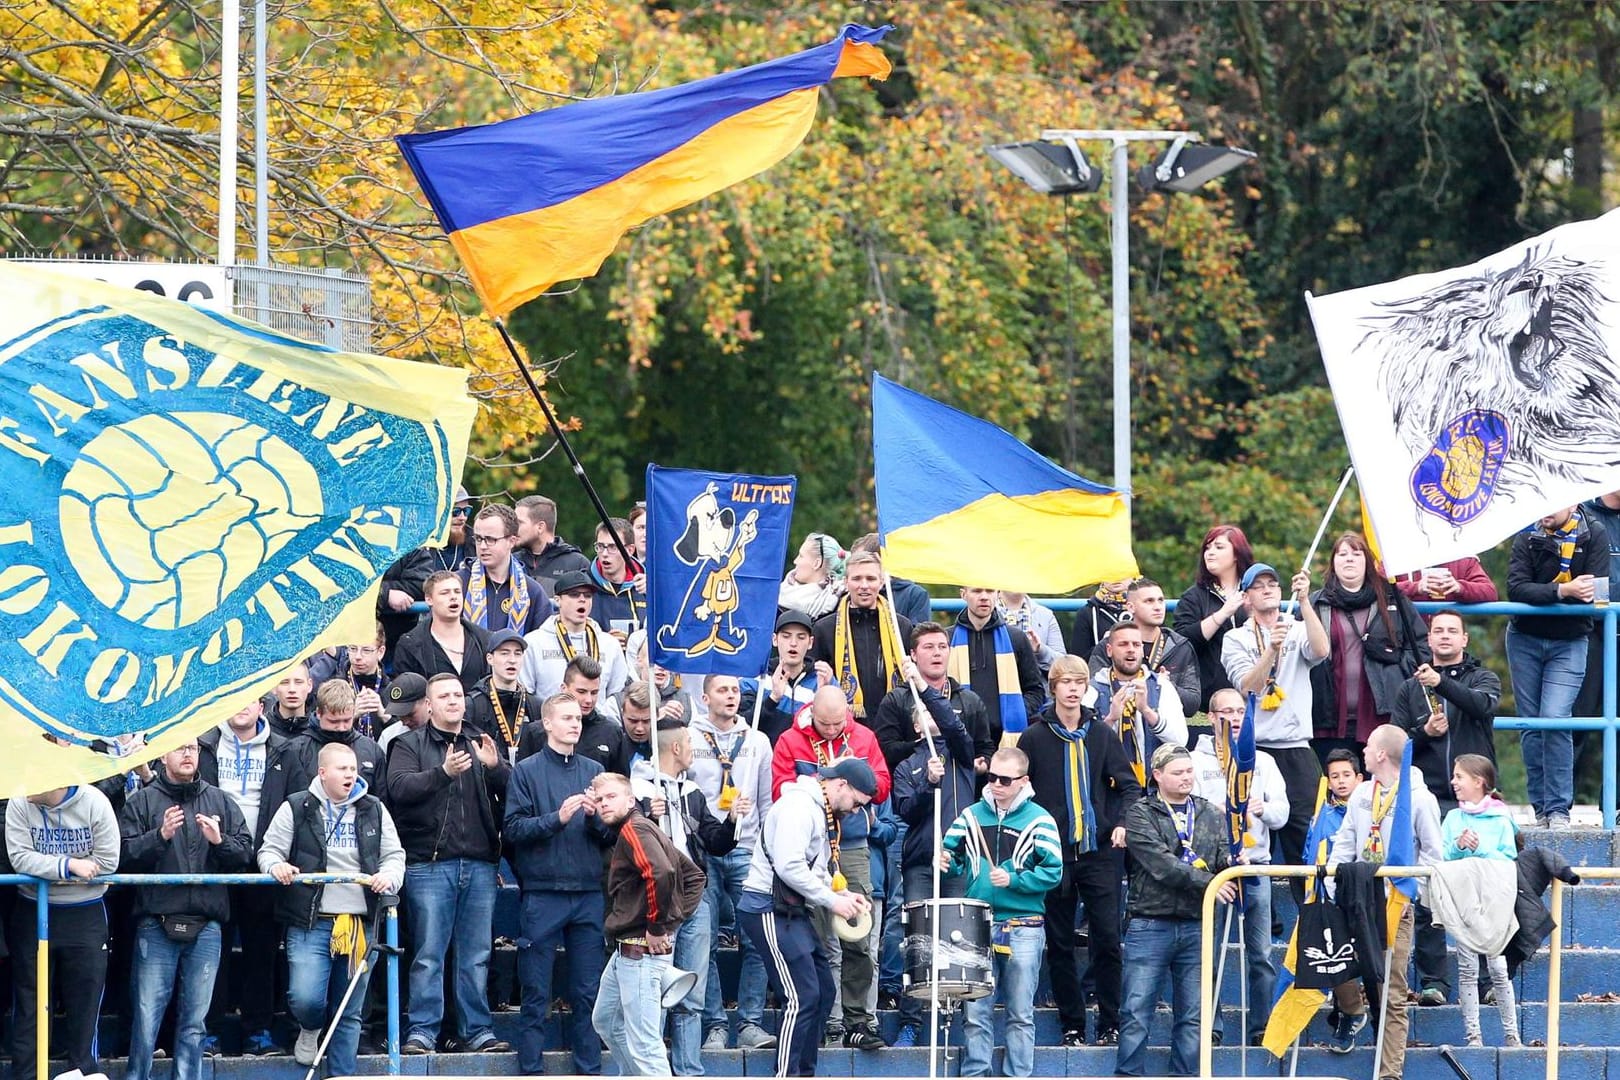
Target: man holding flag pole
[(1392, 820)]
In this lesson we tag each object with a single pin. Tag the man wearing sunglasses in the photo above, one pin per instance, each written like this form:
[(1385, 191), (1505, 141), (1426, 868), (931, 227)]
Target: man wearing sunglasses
[(1008, 848)]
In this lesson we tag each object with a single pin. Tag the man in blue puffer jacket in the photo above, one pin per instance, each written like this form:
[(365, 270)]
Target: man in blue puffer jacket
[(557, 843)]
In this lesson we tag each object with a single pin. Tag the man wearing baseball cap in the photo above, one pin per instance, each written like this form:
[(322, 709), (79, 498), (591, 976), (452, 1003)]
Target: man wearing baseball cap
[(1271, 656), (790, 876), (406, 704), (498, 704), (795, 680), (570, 633)]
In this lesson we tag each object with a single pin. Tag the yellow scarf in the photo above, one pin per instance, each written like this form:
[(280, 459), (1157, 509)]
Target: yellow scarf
[(1273, 695), (349, 939), (844, 655)]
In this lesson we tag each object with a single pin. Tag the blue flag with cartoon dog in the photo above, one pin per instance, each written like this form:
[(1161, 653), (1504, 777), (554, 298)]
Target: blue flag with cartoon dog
[(193, 504), (716, 545)]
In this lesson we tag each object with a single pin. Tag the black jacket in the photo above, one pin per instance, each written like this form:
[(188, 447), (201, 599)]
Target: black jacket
[(1091, 623), (1162, 885), (981, 646), (301, 762), (1469, 691), (1537, 868), (418, 652), (1359, 894), (270, 799), (187, 852), (869, 668), (1177, 661), (549, 854), (438, 817), (1197, 604), (705, 834), (896, 729), (288, 727), (1114, 789), (521, 709), (913, 796), (1532, 567), (300, 905), (1387, 661), (558, 558)]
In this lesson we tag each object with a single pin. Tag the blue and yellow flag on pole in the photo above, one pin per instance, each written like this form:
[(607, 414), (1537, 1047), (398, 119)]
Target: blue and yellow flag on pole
[(716, 543), (1236, 755), (192, 504), (543, 198), (1294, 1006), (1402, 849), (961, 502)]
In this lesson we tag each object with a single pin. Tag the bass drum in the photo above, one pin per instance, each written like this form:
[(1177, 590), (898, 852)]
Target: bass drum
[(963, 965)]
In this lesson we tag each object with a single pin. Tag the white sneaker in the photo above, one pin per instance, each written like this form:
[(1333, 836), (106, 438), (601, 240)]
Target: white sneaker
[(71, 1074), (715, 1039), (95, 1076), (307, 1046), (753, 1037)]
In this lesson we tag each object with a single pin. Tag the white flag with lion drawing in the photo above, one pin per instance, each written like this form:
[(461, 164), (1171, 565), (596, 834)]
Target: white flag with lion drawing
[(1478, 399)]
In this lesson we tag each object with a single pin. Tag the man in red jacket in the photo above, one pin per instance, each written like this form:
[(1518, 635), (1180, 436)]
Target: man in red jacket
[(823, 732)]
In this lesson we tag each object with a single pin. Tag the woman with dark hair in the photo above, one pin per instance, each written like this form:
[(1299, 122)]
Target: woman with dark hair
[(1214, 605), (1377, 642)]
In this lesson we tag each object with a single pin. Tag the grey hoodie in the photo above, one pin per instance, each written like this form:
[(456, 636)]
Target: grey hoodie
[(241, 768), (794, 845), (41, 840), (342, 853)]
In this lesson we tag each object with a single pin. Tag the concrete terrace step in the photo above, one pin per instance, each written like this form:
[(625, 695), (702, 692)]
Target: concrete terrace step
[(1422, 1063)]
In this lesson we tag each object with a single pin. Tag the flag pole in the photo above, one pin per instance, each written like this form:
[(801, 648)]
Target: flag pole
[(1344, 482), (1383, 1006), (1220, 964), (602, 514), (1243, 977), (759, 701)]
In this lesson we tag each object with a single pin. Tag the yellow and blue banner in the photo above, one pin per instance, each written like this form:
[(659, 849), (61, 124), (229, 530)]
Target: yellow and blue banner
[(1294, 1006), (962, 502), (543, 198), (193, 504), (716, 544)]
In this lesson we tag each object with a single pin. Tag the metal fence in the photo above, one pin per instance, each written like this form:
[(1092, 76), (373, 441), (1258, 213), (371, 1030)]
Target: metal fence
[(329, 307), (42, 928)]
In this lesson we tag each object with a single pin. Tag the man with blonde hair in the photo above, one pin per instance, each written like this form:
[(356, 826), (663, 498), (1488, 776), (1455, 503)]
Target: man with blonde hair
[(859, 638), (1081, 776)]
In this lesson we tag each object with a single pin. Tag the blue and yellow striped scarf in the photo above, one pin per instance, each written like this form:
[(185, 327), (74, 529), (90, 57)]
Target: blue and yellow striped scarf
[(1014, 717), (1077, 787)]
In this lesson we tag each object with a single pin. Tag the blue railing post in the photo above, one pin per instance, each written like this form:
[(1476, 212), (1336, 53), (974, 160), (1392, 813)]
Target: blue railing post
[(1609, 625), (391, 936), (42, 984)]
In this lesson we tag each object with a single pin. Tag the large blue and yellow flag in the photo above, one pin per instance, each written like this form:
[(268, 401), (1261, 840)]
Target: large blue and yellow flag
[(716, 543), (194, 503), (961, 502), (1294, 1006), (544, 198)]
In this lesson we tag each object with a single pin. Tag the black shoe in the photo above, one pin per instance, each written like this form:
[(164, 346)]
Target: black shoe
[(415, 1046), (1107, 1037), (1074, 1037), (888, 999), (864, 1038), (1217, 1037)]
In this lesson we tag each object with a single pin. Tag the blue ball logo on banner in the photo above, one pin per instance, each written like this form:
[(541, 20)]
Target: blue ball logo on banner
[(716, 545)]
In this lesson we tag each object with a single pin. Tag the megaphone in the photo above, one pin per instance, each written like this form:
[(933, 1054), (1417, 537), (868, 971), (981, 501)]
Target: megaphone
[(677, 984)]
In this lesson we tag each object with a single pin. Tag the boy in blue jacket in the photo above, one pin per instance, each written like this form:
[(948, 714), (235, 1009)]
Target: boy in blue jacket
[(1008, 849)]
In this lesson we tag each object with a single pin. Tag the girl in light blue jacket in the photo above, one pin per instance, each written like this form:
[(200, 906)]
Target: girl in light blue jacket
[(1481, 827)]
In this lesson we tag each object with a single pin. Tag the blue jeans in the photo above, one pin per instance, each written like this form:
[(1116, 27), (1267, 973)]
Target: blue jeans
[(1016, 976), (157, 962), (1546, 674), (316, 981), (1160, 947), (1262, 976), (450, 902), (693, 952), (629, 1015), (727, 873), (573, 919)]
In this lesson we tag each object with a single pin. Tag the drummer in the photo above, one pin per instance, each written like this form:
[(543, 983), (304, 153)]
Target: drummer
[(1008, 849), (788, 877)]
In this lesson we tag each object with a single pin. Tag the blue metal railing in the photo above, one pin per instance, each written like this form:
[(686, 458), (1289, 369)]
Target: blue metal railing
[(42, 930)]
